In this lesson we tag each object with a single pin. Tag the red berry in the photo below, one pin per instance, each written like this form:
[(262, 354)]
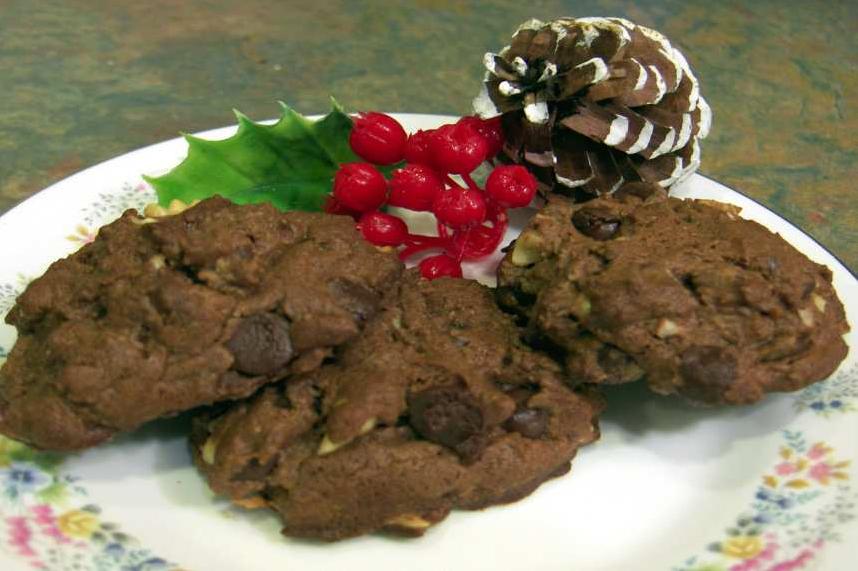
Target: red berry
[(459, 207), (491, 131), (414, 187), (511, 186), (360, 187), (417, 148), (457, 149), (383, 229), (440, 266), (378, 138), (334, 206)]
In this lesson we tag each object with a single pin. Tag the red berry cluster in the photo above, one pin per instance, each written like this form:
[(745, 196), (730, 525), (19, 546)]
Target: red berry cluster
[(471, 221)]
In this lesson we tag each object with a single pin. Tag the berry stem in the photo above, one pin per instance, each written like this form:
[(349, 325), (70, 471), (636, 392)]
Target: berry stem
[(470, 182), (417, 243), (442, 231), (460, 254), (409, 251), (452, 182), (418, 239)]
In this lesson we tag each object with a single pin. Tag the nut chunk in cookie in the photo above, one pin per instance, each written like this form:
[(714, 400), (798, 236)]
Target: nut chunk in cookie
[(157, 317), (436, 406), (685, 293)]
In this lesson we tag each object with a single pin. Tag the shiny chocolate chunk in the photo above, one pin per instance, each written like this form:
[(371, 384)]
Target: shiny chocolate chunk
[(596, 223), (261, 344), (708, 372), (529, 422), (449, 416)]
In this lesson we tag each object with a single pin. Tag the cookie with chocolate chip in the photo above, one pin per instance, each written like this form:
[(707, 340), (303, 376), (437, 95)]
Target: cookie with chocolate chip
[(436, 406), (683, 293), (157, 317)]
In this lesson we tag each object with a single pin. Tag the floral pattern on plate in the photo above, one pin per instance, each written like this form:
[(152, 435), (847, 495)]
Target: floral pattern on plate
[(47, 521), (9, 292), (836, 395), (45, 518), (110, 205), (797, 509)]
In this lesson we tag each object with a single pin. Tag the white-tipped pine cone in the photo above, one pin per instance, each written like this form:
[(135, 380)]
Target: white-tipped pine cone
[(588, 103)]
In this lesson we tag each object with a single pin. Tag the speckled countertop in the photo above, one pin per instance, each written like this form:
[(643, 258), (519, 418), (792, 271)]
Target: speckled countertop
[(85, 80)]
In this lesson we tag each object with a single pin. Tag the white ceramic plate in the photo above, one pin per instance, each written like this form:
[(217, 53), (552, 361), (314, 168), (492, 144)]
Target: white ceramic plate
[(767, 487)]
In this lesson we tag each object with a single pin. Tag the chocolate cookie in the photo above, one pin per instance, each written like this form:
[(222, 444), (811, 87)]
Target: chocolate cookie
[(685, 293), (436, 406), (153, 318)]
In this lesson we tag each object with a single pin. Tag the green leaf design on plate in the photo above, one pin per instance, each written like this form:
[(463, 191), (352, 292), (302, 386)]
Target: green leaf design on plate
[(290, 164), (56, 493), (12, 451)]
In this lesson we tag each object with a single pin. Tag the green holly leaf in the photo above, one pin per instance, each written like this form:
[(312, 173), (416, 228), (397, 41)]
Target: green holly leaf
[(290, 164)]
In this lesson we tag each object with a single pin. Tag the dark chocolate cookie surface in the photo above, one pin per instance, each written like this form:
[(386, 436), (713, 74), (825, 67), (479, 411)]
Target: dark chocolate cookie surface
[(154, 318), (685, 293), (436, 406)]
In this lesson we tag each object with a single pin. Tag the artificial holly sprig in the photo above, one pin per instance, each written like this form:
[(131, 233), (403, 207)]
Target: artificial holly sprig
[(471, 220)]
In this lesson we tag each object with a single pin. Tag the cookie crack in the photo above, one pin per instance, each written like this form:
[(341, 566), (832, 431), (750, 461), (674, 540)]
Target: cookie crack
[(687, 282)]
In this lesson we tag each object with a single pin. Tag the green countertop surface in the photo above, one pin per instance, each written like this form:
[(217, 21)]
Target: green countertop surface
[(83, 81)]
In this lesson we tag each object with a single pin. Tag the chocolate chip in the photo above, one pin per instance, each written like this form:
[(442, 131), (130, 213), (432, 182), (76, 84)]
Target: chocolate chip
[(597, 223), (708, 371), (261, 344), (529, 422), (449, 416)]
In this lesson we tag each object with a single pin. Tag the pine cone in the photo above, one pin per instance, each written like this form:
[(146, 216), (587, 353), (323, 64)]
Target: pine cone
[(588, 103)]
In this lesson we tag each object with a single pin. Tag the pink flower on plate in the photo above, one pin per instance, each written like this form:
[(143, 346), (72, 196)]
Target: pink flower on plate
[(43, 514), (821, 472), (799, 562), (817, 451), (785, 469), (19, 536)]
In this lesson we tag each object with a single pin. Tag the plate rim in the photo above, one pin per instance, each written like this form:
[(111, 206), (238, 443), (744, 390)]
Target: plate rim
[(44, 196)]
